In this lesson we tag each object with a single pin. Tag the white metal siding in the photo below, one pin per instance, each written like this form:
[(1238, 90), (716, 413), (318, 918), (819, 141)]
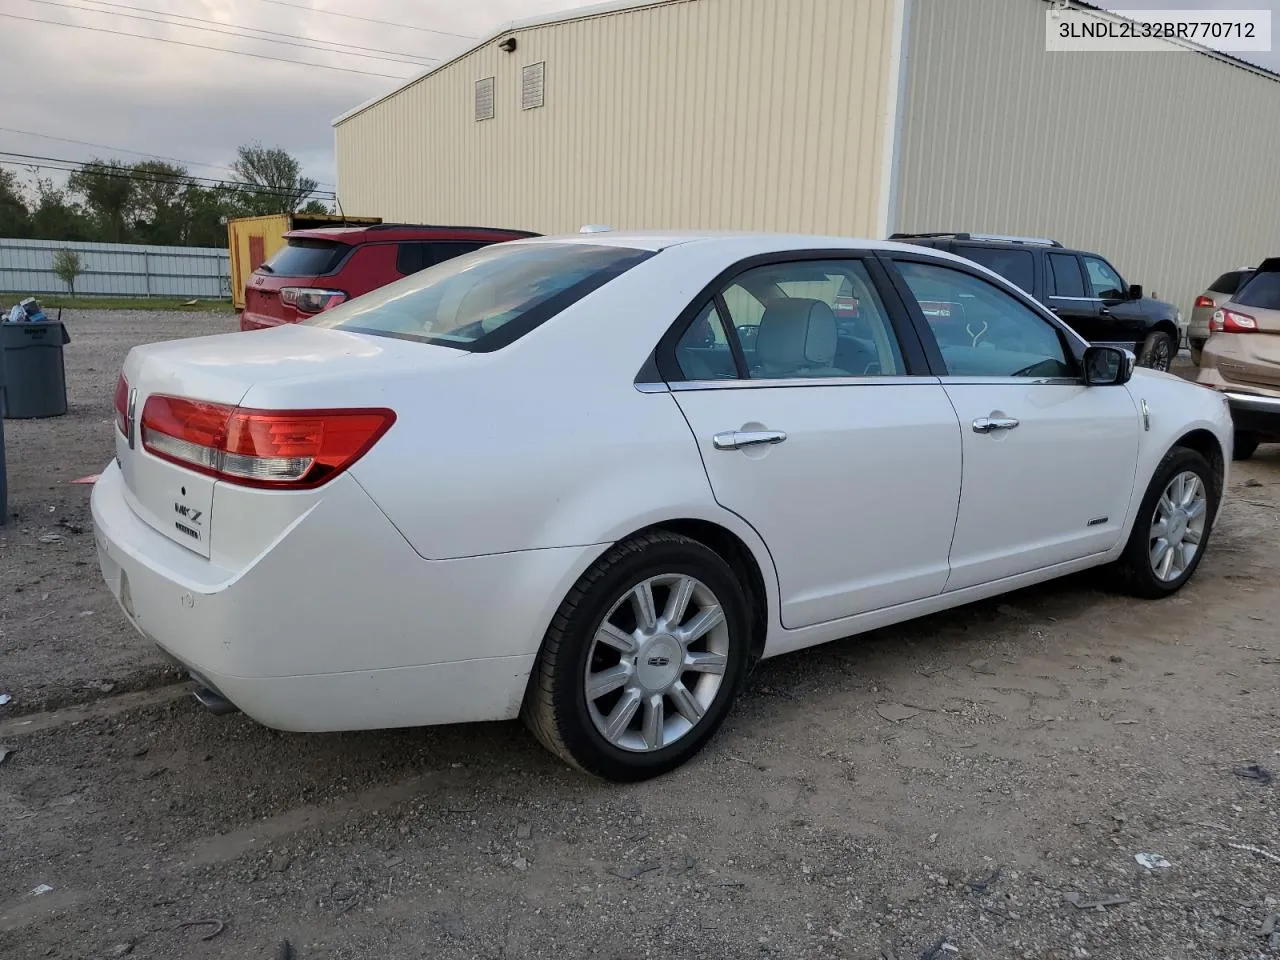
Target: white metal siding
[(1168, 164), (696, 114), (115, 269)]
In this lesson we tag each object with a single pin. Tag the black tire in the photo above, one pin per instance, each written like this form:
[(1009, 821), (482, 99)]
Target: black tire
[(555, 706), (1244, 446), (1157, 351), (1134, 565)]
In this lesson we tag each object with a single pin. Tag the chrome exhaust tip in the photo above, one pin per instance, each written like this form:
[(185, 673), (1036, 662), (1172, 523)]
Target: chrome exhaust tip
[(211, 699)]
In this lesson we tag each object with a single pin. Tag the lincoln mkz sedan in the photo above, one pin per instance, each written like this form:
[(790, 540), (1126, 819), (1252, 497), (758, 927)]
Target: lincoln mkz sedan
[(591, 480)]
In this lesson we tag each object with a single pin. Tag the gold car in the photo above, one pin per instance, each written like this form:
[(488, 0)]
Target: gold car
[(1241, 358)]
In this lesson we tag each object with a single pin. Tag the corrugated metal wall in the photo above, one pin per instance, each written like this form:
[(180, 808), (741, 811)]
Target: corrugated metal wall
[(117, 269), (734, 114), (1166, 163)]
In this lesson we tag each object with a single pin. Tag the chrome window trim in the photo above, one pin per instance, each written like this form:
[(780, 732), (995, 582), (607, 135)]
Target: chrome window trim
[(1021, 381), (657, 387), (687, 385), (1054, 296)]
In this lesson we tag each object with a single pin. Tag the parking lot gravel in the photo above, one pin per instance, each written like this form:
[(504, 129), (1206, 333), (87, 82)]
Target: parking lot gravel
[(977, 784)]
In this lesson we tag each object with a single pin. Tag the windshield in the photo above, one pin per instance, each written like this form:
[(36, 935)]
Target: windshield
[(483, 300)]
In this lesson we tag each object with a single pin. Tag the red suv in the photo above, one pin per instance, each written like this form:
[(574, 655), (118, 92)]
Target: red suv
[(324, 267)]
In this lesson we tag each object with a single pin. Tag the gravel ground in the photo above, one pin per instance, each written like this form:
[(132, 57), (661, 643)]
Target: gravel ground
[(1045, 740)]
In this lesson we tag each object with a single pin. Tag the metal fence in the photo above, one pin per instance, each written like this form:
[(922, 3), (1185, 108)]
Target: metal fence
[(117, 269)]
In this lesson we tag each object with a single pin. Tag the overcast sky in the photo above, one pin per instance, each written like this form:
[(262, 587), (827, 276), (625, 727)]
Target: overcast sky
[(127, 92)]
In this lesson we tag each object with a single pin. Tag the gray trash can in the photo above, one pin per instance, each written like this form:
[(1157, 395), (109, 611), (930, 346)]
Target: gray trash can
[(34, 379)]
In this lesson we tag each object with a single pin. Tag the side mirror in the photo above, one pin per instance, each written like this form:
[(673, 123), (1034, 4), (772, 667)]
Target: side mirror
[(1135, 291), (1107, 366)]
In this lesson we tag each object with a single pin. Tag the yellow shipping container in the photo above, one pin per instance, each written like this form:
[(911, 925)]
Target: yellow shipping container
[(254, 240)]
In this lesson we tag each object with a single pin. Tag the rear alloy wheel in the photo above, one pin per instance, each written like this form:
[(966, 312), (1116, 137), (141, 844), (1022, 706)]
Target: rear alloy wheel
[(1244, 446), (642, 660), (1157, 351), (1172, 528)]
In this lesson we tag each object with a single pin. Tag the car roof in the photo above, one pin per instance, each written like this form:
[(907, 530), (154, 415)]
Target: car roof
[(744, 243), (392, 232)]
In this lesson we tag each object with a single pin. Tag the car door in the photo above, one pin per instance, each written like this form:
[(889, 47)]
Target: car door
[(1048, 462), (836, 446), (1068, 297), (1121, 321)]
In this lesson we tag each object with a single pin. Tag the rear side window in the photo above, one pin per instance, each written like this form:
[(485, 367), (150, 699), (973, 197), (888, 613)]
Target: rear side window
[(304, 258), (1261, 290), (485, 299), (1064, 276), (1016, 266), (414, 256), (1230, 281)]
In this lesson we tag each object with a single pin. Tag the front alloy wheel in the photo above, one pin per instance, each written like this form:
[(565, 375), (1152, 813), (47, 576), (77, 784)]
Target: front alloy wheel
[(1172, 527), (642, 660), (1177, 526)]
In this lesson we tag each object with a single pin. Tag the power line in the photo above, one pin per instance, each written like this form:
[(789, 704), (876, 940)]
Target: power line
[(385, 23), (126, 173), (228, 33), (203, 46), (136, 153), (274, 33)]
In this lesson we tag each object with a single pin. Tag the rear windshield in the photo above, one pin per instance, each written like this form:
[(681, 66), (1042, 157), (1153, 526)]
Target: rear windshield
[(304, 258), (1229, 282), (483, 300), (1262, 290), (1016, 266)]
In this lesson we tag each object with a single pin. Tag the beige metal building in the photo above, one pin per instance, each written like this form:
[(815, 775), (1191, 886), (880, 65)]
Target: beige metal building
[(854, 117)]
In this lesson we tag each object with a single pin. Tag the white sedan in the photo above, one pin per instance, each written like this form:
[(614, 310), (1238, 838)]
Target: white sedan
[(590, 480)]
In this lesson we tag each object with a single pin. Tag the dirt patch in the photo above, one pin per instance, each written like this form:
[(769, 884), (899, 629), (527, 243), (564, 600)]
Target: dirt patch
[(1038, 744)]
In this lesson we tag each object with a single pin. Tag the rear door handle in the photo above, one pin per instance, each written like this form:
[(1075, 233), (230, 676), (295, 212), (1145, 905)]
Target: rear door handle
[(989, 424), (737, 439)]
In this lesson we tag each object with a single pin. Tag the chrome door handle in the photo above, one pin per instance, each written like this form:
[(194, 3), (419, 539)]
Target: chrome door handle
[(737, 439), (988, 424)]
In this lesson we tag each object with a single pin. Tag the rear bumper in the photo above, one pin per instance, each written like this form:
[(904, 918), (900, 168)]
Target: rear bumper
[(339, 625), (1252, 413)]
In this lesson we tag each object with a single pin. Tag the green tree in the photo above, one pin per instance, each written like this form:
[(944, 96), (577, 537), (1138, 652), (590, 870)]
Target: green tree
[(270, 179), (15, 218), (158, 213), (109, 191), (207, 212), (56, 216), (68, 265), (315, 206)]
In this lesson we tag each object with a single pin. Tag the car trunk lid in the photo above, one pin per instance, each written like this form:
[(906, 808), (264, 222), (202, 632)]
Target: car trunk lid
[(282, 369)]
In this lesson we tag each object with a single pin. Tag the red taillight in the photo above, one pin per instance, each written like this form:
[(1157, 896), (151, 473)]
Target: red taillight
[(1203, 301), (311, 299), (1229, 321), (293, 449), (122, 405)]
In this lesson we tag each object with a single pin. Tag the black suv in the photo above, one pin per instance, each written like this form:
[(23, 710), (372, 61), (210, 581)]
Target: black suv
[(1080, 287)]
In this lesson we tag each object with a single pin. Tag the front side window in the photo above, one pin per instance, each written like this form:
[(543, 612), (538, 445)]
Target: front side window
[(484, 299), (983, 331), (1016, 266), (1104, 282), (811, 318)]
